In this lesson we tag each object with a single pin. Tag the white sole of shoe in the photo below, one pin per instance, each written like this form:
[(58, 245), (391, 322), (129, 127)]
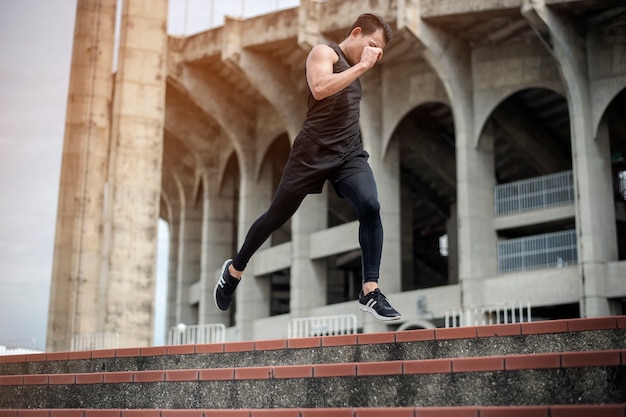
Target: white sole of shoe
[(375, 314)]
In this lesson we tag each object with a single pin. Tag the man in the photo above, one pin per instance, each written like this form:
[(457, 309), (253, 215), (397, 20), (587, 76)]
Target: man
[(329, 148)]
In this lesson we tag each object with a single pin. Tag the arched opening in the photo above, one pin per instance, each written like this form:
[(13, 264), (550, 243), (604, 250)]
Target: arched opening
[(534, 194), (428, 196), (530, 131)]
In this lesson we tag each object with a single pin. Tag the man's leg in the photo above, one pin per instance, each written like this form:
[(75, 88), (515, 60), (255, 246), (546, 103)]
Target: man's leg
[(360, 190), (283, 206)]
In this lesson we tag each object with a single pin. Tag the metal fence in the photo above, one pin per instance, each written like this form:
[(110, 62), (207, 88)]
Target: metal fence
[(95, 341), (322, 326), (17, 347), (485, 315), (183, 334), (534, 193), (550, 250)]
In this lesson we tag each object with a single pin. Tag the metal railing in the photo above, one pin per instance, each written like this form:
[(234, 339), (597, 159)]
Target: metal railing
[(95, 341), (534, 193), (485, 315), (183, 334), (322, 326), (17, 347), (550, 250)]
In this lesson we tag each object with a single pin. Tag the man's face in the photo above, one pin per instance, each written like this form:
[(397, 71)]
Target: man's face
[(375, 39)]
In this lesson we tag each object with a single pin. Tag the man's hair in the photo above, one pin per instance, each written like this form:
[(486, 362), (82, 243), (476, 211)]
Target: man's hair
[(370, 23)]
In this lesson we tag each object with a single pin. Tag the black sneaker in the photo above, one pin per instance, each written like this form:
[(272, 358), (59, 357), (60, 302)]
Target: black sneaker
[(377, 304), (225, 287)]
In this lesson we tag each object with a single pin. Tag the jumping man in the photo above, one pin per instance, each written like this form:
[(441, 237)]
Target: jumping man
[(329, 148)]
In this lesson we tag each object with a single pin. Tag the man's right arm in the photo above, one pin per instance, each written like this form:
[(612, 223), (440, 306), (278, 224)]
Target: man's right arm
[(319, 70)]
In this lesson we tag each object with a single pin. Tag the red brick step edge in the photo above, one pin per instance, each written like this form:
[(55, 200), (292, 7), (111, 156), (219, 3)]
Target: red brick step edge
[(604, 410), (607, 358)]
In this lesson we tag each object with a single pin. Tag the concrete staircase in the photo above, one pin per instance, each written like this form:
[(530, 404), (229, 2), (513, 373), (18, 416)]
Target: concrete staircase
[(549, 368)]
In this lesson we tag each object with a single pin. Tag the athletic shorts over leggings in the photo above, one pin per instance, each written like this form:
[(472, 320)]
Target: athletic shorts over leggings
[(308, 167)]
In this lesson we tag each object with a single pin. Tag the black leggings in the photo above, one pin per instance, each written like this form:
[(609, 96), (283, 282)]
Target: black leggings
[(359, 189)]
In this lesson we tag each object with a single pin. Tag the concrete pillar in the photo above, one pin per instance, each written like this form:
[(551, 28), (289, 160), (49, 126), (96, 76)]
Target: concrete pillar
[(172, 206), (308, 277), (252, 292), (76, 268), (135, 172), (595, 215), (189, 252), (219, 241)]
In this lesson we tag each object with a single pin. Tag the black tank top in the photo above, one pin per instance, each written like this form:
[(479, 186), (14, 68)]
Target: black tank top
[(333, 122)]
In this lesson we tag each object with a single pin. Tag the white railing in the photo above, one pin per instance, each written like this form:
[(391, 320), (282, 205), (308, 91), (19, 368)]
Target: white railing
[(534, 193), (17, 347), (95, 341), (322, 326), (550, 250), (485, 315), (183, 334)]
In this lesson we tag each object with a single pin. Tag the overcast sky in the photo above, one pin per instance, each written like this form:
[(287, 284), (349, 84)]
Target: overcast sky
[(35, 53)]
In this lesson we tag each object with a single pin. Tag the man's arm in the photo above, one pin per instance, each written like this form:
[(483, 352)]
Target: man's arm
[(319, 70)]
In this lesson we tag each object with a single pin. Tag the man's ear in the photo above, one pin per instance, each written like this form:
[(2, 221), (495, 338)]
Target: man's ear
[(356, 32)]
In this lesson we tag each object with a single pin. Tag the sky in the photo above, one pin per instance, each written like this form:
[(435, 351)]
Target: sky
[(35, 53)]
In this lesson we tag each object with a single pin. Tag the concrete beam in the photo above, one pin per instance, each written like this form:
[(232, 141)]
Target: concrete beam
[(215, 97), (431, 9)]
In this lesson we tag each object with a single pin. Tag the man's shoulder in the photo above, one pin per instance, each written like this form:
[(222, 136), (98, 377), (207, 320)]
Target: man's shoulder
[(324, 52)]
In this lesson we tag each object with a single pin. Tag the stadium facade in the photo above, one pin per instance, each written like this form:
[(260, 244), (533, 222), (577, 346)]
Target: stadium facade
[(496, 131)]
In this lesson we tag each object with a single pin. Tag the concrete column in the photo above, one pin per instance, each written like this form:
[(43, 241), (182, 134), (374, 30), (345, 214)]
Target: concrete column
[(308, 277), (135, 172), (171, 206), (76, 268), (219, 241), (252, 292), (172, 269), (595, 214), (189, 250)]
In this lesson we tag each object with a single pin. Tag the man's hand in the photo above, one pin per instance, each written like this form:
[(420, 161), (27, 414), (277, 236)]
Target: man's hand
[(371, 55)]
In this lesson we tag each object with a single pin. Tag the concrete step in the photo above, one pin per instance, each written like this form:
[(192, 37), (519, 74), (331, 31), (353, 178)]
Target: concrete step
[(597, 377), (553, 363), (576, 335)]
